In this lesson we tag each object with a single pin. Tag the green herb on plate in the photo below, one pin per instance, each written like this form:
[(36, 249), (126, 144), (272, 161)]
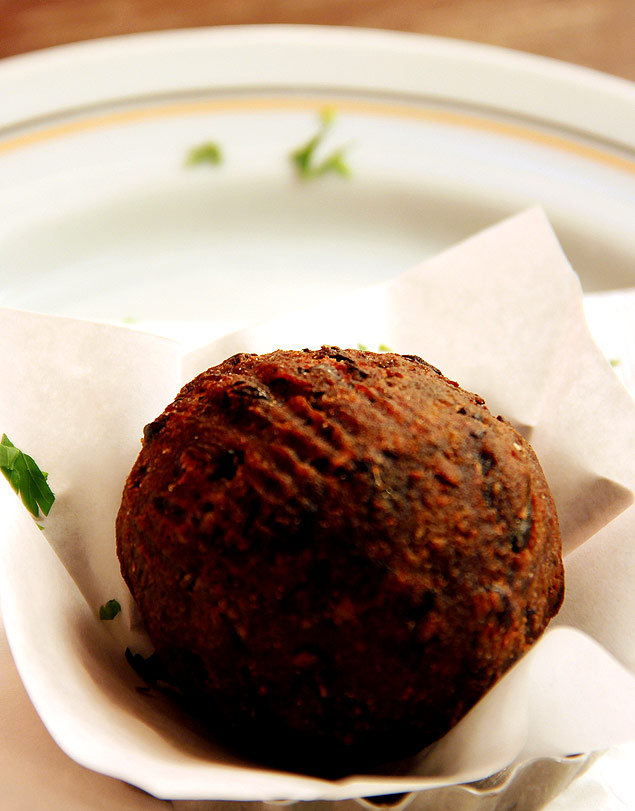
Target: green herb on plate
[(208, 153), (304, 159), (26, 478), (109, 610)]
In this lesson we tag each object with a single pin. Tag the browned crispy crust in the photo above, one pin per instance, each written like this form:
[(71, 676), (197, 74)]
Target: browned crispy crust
[(336, 551)]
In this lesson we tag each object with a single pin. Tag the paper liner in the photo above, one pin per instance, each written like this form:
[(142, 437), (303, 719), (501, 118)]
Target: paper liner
[(500, 313), (522, 787)]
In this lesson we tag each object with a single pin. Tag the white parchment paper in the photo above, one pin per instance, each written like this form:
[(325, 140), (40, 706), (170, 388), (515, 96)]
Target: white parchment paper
[(500, 313)]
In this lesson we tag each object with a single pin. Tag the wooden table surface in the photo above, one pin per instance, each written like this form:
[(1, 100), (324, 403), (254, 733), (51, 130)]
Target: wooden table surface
[(596, 33)]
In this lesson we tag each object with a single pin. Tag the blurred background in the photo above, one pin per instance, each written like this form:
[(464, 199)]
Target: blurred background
[(596, 33)]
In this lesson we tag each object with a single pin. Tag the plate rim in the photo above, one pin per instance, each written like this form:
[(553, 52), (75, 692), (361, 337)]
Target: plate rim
[(523, 85)]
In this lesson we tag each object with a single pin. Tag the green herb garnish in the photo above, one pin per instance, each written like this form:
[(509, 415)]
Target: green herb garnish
[(109, 610), (304, 158), (207, 153), (26, 478), (380, 348)]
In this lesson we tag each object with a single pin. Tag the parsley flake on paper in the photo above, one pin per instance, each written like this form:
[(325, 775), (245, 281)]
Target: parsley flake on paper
[(208, 153), (304, 158), (109, 610), (26, 478)]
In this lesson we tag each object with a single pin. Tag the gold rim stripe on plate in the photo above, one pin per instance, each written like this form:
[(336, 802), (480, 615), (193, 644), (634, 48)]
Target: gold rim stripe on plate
[(246, 105)]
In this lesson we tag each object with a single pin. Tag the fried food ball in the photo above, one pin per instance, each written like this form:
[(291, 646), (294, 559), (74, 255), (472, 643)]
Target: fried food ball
[(337, 552)]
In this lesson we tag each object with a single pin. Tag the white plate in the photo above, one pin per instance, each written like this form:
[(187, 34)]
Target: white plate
[(99, 217)]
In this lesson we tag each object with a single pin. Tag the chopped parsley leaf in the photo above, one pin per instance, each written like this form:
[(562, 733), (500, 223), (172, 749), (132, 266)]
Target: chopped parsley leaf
[(207, 153), (304, 158), (109, 610), (26, 478), (380, 348)]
